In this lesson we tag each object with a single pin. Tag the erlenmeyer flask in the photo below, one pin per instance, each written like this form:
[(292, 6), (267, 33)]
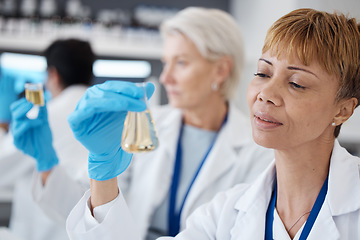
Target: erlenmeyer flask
[(139, 133)]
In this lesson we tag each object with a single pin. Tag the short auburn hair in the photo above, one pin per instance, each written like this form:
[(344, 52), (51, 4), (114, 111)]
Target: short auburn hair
[(332, 40)]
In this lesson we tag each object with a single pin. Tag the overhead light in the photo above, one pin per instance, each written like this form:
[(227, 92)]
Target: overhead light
[(23, 61), (122, 68)]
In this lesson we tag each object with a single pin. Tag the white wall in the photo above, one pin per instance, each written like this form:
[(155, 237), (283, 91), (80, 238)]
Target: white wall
[(256, 16), (348, 7)]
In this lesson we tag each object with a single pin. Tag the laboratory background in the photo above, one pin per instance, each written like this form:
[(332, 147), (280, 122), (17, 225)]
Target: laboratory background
[(125, 39)]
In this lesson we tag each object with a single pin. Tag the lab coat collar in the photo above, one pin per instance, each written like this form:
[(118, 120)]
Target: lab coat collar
[(252, 207), (343, 194), (223, 155), (237, 133), (343, 181), (259, 190), (170, 130)]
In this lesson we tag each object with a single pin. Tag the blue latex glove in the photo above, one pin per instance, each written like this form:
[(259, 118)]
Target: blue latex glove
[(23, 76), (98, 121), (7, 96), (12, 83), (33, 136)]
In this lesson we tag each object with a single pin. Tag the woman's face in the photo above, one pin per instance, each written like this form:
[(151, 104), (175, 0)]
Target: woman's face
[(187, 75), (291, 104)]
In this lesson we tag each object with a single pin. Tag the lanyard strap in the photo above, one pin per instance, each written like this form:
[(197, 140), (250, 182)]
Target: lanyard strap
[(310, 221), (270, 215), (173, 215)]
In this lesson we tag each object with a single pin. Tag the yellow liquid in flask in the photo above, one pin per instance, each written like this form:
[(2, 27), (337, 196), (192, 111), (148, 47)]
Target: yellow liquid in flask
[(139, 133)]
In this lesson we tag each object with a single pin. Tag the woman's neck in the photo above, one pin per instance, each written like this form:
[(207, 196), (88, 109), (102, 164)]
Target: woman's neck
[(209, 117), (300, 176)]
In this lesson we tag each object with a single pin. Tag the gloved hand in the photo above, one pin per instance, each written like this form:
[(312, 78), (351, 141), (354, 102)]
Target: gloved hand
[(12, 83), (23, 76), (33, 136), (98, 121), (7, 96)]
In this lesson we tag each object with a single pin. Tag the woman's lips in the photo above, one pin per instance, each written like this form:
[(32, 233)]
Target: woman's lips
[(172, 92), (266, 121)]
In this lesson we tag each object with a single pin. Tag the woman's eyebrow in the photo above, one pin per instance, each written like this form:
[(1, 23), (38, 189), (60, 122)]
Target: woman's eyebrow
[(267, 61), (290, 67), (301, 69)]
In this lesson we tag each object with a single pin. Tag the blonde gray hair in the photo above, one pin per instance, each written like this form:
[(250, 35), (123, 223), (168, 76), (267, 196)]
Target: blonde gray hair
[(215, 34)]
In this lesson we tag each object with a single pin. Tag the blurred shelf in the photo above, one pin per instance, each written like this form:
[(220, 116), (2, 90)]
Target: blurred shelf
[(108, 47)]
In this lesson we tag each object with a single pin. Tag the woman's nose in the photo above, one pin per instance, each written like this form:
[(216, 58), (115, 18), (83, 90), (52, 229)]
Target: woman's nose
[(271, 93), (166, 75)]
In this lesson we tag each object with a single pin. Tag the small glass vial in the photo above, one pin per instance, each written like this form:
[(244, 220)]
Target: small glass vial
[(139, 133), (34, 93)]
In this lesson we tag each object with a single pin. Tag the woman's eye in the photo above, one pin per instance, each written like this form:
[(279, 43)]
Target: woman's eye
[(180, 62), (295, 85), (262, 75)]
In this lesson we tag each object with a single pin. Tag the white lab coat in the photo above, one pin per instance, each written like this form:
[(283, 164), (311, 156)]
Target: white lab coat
[(151, 179), (233, 159), (239, 213), (27, 219)]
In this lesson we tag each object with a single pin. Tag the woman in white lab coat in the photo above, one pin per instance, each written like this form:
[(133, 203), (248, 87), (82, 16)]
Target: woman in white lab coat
[(203, 59), (306, 86)]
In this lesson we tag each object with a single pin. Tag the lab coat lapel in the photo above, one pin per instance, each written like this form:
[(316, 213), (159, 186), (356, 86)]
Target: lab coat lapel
[(166, 156), (157, 173), (343, 197), (324, 226), (221, 158), (344, 181), (343, 194), (252, 207)]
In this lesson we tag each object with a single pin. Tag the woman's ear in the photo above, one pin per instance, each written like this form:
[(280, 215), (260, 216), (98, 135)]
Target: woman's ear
[(53, 76), (54, 82), (224, 67), (346, 109)]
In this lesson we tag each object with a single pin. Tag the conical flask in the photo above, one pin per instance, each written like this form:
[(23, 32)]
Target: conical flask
[(139, 133)]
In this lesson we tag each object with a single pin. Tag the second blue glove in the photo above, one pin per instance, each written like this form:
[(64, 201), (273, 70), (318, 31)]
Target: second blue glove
[(33, 136), (7, 95)]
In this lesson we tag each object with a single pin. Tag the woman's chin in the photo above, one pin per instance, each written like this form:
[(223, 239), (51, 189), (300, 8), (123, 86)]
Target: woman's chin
[(265, 141), (175, 103)]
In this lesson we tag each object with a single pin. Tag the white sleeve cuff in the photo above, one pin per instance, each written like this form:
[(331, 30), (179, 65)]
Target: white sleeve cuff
[(2, 132), (117, 224), (99, 212)]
